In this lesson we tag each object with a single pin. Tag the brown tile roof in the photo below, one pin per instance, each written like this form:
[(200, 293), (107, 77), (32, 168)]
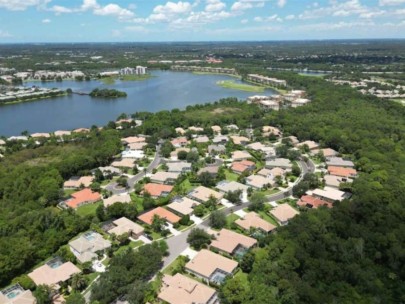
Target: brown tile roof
[(313, 202), (133, 139), (50, 276), (83, 197), (202, 193), (284, 212), (180, 289), (252, 219), (227, 241), (206, 262), (343, 172), (76, 183), (157, 190), (123, 225), (162, 213)]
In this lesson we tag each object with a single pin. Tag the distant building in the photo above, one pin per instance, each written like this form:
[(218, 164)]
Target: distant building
[(139, 70)]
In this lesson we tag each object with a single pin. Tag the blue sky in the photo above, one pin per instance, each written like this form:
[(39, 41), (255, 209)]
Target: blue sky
[(198, 20)]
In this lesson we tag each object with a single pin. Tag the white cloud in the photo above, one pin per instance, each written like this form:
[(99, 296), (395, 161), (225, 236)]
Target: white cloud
[(57, 9), (290, 17), (391, 2), (214, 6), (241, 6), (21, 5), (272, 18), (244, 21), (113, 10), (46, 20), (169, 12), (5, 34), (258, 19), (281, 3)]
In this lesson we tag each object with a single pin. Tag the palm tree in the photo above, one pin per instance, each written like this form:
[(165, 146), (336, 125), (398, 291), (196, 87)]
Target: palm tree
[(79, 282)]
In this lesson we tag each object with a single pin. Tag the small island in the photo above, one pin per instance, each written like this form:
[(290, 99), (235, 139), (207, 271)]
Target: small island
[(107, 93)]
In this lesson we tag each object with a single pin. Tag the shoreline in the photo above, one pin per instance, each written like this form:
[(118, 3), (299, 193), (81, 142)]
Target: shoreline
[(32, 99), (230, 84), (212, 73), (278, 90)]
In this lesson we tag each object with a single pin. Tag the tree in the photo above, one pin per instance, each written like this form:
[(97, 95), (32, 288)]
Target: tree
[(234, 196), (100, 212), (166, 149), (123, 181), (192, 157), (211, 203), (137, 292), (206, 179), (98, 176), (25, 282), (217, 219), (79, 282), (185, 220), (182, 155), (300, 189), (234, 291), (257, 201), (198, 238), (246, 264), (295, 170), (43, 294), (157, 223), (75, 298), (199, 210)]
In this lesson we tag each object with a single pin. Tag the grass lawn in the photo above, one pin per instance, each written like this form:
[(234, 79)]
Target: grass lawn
[(108, 80), (106, 261), (230, 176), (131, 245), (230, 219), (91, 276), (68, 192), (268, 218), (230, 84), (269, 191), (89, 209), (173, 265), (135, 77), (138, 201), (186, 186)]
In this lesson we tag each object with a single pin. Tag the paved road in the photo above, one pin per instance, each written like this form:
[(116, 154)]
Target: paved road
[(177, 244), (133, 180)]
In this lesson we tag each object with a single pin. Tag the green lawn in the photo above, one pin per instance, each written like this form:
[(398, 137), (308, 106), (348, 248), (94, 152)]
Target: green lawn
[(138, 201), (135, 77), (173, 265), (91, 277), (230, 84), (68, 192), (269, 191), (89, 209), (267, 218), (130, 245), (230, 219), (230, 176)]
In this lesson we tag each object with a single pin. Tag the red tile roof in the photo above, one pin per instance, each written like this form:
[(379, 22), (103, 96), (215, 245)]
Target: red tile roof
[(313, 202), (83, 197), (343, 172), (157, 189), (160, 212)]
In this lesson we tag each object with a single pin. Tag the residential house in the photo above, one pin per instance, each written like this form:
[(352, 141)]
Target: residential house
[(179, 289), (258, 182), (124, 163), (240, 140), (180, 131), (267, 130), (220, 139), (179, 142), (183, 205), (232, 243), (157, 190), (212, 170), (116, 198), (136, 146), (110, 170), (253, 220), (18, 138), (81, 130), (173, 154), (86, 247), (82, 197), (179, 167), (195, 129), (294, 140), (61, 133), (135, 154), (53, 273), (164, 177), (162, 213), (211, 267), (232, 127), (40, 135), (342, 172), (216, 129), (132, 140), (216, 149), (283, 213), (327, 152), (330, 194), (78, 181), (243, 166), (283, 163), (240, 155), (203, 194), (2, 142), (201, 139), (310, 144), (310, 201), (339, 162), (16, 295), (124, 225), (231, 186)]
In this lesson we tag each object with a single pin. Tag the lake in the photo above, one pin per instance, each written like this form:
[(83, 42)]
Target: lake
[(165, 91)]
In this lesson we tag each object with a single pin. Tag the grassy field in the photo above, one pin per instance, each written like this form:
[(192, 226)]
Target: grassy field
[(230, 176), (130, 245), (111, 80), (229, 84), (89, 209), (208, 73), (230, 219), (268, 218)]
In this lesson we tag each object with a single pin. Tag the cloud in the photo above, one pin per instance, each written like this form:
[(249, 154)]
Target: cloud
[(168, 12), (241, 6), (391, 2), (46, 20), (21, 5), (5, 34), (274, 17), (281, 3), (290, 17), (244, 21), (214, 6), (113, 10)]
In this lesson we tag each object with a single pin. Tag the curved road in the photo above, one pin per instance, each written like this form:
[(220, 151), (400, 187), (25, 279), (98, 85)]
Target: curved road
[(177, 244)]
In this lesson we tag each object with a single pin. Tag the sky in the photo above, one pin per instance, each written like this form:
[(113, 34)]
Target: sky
[(198, 20)]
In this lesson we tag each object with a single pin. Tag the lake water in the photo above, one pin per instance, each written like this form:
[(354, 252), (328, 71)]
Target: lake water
[(167, 90)]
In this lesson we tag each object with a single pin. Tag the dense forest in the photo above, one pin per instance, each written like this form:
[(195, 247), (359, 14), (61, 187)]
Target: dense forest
[(107, 93), (31, 228), (353, 253)]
